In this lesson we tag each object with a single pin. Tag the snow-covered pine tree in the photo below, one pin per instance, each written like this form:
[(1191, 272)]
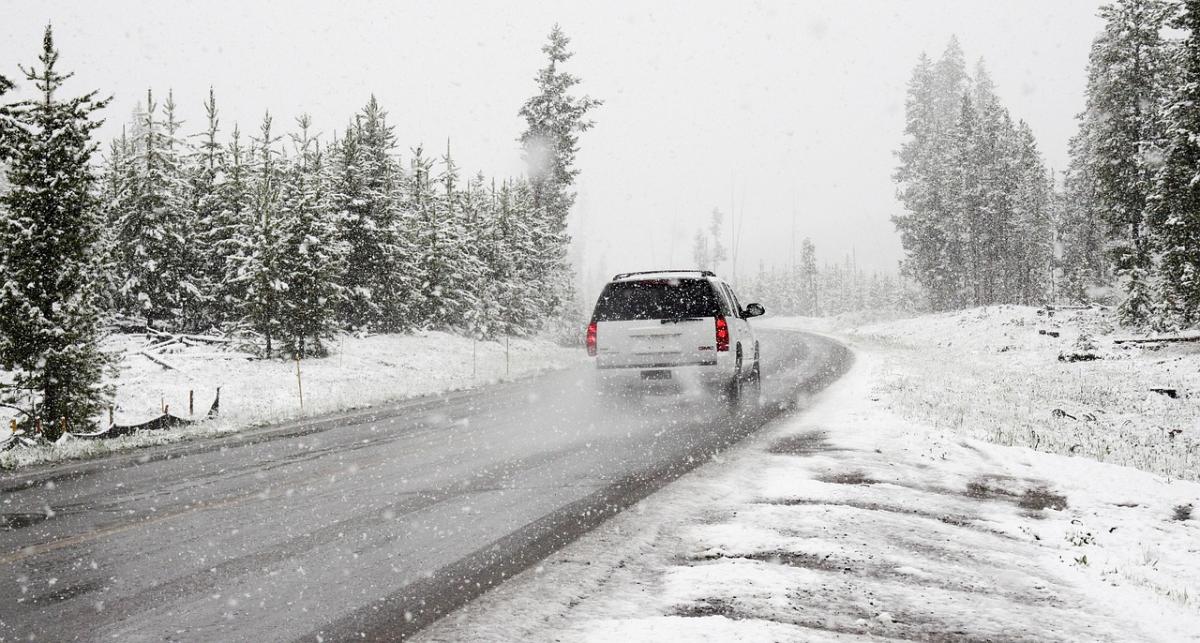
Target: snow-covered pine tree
[(368, 194), (50, 226), (527, 299), (707, 250), (961, 224), (432, 260), (8, 127), (1000, 236), (153, 253), (228, 235), (115, 177), (1080, 232), (1031, 254), (347, 194), (927, 228), (810, 303), (205, 177), (450, 261), (1127, 70), (310, 260), (480, 238), (701, 255), (1176, 203), (260, 268), (554, 118), (191, 286)]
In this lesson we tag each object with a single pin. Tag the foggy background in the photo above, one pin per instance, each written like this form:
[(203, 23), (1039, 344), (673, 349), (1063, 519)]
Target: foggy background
[(787, 113)]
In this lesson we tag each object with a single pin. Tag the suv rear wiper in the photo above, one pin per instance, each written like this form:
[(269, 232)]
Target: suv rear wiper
[(680, 319)]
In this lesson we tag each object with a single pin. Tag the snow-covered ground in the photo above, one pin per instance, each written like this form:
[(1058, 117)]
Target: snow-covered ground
[(859, 519), (995, 373), (360, 372)]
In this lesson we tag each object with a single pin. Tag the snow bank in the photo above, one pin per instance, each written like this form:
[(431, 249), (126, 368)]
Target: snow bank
[(360, 372)]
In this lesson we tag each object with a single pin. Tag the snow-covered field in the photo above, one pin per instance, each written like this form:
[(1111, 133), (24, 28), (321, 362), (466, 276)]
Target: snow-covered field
[(995, 373), (360, 372), (868, 517)]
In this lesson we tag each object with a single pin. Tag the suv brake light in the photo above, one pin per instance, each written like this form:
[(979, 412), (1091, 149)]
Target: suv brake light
[(722, 334), (591, 339)]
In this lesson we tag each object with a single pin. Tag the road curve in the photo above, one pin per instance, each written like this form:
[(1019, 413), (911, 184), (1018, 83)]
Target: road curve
[(358, 525)]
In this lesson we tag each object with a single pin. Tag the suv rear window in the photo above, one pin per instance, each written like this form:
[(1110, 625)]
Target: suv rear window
[(656, 299)]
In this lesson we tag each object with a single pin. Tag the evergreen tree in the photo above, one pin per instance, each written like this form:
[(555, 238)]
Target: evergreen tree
[(554, 118), (50, 226), (368, 194), (212, 232), (1030, 253), (227, 237), (311, 257), (976, 226), (155, 222), (1081, 233), (432, 240), (8, 127), (928, 228), (453, 263), (1127, 70), (261, 269), (481, 240), (1176, 212), (114, 183), (810, 303)]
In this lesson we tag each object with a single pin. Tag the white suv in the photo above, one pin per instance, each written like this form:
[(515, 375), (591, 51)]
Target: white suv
[(684, 325)]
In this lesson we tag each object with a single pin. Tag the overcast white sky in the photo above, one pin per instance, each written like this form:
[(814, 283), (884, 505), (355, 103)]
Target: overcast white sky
[(793, 107)]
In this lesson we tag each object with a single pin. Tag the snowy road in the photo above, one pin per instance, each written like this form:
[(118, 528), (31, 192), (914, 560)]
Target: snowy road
[(365, 524)]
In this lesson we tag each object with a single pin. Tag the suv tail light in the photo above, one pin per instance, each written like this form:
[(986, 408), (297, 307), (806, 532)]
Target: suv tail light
[(722, 334), (591, 339)]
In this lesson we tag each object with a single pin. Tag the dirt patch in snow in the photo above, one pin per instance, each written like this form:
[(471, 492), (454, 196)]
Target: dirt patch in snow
[(807, 443), (1031, 495), (851, 477), (710, 607)]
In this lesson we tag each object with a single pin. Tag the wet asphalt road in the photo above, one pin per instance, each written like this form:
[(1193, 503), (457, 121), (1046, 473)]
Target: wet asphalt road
[(361, 525)]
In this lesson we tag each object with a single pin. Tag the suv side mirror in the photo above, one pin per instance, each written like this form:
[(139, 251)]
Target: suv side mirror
[(753, 310)]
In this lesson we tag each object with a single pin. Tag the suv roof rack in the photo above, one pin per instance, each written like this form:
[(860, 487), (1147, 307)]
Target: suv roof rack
[(622, 275)]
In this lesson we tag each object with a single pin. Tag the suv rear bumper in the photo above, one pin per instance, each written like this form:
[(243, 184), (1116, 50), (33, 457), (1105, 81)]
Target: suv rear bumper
[(615, 367), (705, 373)]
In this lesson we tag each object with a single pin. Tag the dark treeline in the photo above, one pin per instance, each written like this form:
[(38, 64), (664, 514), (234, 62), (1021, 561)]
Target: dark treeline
[(277, 231)]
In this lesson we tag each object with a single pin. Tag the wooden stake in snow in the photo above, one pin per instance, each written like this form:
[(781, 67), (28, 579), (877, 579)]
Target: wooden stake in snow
[(110, 414), (299, 383), (191, 402)]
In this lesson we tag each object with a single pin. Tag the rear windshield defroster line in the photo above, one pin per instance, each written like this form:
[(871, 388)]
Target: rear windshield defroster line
[(656, 299)]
